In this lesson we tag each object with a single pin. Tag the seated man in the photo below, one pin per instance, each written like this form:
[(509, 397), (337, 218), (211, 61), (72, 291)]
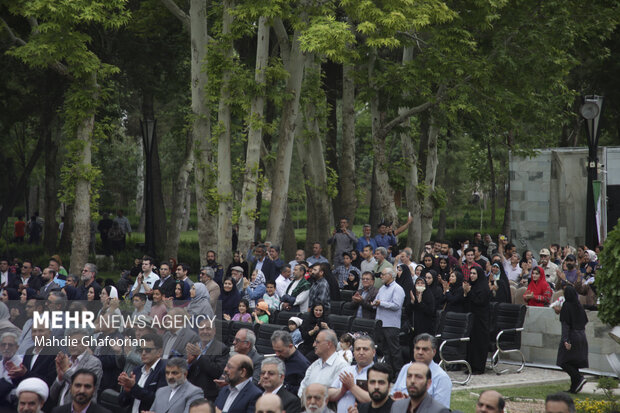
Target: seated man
[(272, 380), (241, 394), (139, 388), (79, 358), (177, 396), (176, 337), (328, 365), (83, 389), (418, 383), (11, 363), (558, 403), (490, 401), (315, 399)]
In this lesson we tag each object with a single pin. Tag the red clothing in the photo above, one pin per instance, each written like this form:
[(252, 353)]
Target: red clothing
[(542, 291), (20, 229), (466, 268)]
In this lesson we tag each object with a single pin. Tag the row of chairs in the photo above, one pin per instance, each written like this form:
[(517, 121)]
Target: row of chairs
[(506, 325)]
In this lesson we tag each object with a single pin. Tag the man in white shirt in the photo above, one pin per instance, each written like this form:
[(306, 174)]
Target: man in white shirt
[(300, 256), (329, 363), (146, 279), (346, 388), (283, 280), (551, 269), (369, 263)]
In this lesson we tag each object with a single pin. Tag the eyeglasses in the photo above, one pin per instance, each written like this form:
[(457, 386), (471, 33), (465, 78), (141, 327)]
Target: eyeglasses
[(7, 345), (146, 350), (236, 340)]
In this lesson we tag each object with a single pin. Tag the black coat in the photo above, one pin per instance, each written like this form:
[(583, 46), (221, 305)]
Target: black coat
[(574, 320), (146, 394), (290, 402), (423, 313), (93, 408), (207, 367), (477, 303)]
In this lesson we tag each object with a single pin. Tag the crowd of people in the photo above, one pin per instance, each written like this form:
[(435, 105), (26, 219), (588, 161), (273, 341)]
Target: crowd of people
[(182, 368)]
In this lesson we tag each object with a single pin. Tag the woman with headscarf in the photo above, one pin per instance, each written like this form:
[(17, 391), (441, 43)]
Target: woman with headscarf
[(181, 294), (254, 288), (573, 349), (27, 294), (229, 297), (71, 292), (477, 294), (429, 263), (444, 268), (499, 285), (109, 301), (538, 292), (310, 328), (5, 325), (590, 261), (199, 305), (423, 306), (352, 283), (433, 285), (453, 292)]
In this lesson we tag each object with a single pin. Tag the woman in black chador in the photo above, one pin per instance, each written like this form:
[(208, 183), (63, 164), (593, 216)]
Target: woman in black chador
[(573, 350), (477, 295)]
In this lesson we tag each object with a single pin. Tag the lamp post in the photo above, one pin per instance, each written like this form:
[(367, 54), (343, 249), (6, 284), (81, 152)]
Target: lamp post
[(591, 112), (148, 136)]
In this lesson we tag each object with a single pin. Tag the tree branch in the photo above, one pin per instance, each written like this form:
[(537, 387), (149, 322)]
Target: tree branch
[(178, 13), (12, 35), (282, 35)]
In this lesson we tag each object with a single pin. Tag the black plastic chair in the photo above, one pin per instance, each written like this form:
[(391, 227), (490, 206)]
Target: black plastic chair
[(235, 326), (263, 338), (507, 326), (453, 334), (336, 307), (283, 317), (339, 323), (363, 325), (349, 309), (346, 295)]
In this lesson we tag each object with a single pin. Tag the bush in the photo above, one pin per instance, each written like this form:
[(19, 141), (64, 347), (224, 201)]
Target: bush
[(607, 280)]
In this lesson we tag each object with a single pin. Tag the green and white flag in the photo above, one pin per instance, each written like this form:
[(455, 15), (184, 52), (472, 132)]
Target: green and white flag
[(596, 189)]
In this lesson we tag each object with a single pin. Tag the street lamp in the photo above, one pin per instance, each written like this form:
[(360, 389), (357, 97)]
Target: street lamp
[(148, 136), (591, 112)]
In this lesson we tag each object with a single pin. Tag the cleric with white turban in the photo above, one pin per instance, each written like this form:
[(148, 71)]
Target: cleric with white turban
[(32, 394)]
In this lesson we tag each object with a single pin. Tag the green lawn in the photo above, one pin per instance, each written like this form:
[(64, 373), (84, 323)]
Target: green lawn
[(465, 400)]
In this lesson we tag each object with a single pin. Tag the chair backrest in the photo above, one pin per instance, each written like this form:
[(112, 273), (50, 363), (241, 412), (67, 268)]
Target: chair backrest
[(455, 325), (368, 326), (283, 316), (336, 307), (349, 309), (519, 295), (263, 337), (339, 323), (235, 326), (346, 295), (509, 316), (222, 330), (513, 292)]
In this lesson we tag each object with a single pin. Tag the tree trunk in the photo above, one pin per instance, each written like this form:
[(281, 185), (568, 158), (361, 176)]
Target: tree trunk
[(51, 192), (140, 189), (201, 128), (65, 239), (493, 188), (249, 210), (383, 194), (179, 201), (282, 169), (310, 148), (506, 225), (290, 242), (187, 211), (346, 200), (224, 171), (80, 235), (428, 208), (330, 85)]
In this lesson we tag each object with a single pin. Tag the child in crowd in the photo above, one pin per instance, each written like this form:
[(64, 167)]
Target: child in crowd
[(261, 313), (293, 328), (243, 314), (270, 296), (346, 343)]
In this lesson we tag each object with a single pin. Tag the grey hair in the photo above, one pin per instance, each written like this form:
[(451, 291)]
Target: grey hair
[(278, 362), (390, 271), (283, 336), (91, 267), (366, 338), (250, 336), (59, 294), (367, 226), (426, 337), (179, 362), (9, 334), (331, 336), (75, 278), (382, 251), (408, 252), (210, 272), (304, 393)]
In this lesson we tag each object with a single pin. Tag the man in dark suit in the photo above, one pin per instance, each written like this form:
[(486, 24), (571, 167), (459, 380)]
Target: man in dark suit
[(418, 383), (296, 363), (176, 337), (264, 263), (7, 278), (272, 379), (179, 394), (43, 365), (83, 389), (48, 283), (206, 359), (240, 395), (363, 298), (167, 282), (138, 389)]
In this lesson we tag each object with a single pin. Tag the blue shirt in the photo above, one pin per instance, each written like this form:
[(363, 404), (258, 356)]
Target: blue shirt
[(385, 241), (362, 242), (391, 298), (313, 260), (441, 385)]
